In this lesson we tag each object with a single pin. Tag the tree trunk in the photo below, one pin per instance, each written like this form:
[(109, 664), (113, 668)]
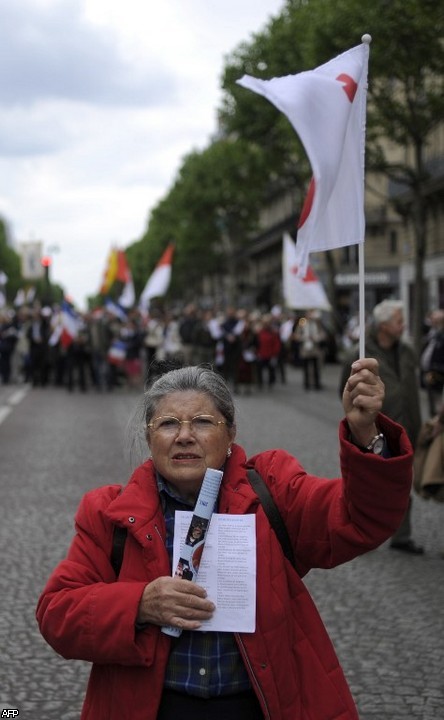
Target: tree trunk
[(419, 218)]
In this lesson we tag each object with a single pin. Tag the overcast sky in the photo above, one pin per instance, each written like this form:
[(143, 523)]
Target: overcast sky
[(99, 102)]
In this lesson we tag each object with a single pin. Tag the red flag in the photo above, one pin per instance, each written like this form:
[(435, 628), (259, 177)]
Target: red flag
[(122, 271)]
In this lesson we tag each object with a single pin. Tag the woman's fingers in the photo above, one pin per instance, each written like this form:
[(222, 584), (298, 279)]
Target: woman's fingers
[(169, 601)]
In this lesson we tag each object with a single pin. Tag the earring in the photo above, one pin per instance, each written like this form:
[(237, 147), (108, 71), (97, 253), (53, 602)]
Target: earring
[(229, 451)]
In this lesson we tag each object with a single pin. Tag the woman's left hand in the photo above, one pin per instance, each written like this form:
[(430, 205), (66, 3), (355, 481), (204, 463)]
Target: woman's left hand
[(362, 399)]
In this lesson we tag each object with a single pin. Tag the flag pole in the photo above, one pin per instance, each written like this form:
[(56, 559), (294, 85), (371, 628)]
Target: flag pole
[(361, 300), (361, 262)]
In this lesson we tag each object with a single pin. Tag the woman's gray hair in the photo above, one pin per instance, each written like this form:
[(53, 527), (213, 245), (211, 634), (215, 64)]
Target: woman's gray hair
[(196, 378)]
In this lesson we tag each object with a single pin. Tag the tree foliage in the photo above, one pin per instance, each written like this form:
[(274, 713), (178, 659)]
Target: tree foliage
[(278, 50), (214, 200), (9, 263), (218, 192)]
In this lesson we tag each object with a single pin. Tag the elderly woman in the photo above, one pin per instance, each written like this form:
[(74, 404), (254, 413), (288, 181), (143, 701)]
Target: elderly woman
[(287, 668)]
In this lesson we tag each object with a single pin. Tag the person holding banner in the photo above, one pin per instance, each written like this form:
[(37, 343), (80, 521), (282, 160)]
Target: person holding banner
[(286, 668)]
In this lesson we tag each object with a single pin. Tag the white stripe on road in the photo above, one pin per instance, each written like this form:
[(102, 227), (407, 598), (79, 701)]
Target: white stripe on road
[(14, 399), (18, 396), (4, 412)]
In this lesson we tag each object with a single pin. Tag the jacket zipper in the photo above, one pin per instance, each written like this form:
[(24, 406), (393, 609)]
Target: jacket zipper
[(244, 654)]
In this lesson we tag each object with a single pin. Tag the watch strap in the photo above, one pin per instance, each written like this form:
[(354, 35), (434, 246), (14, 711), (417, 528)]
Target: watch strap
[(374, 442)]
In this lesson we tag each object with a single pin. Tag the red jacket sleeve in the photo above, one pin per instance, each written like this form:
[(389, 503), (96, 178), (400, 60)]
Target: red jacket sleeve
[(83, 613), (331, 521)]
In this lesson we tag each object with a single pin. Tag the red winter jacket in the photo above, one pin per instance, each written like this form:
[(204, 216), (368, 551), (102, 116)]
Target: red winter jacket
[(84, 613), (269, 344)]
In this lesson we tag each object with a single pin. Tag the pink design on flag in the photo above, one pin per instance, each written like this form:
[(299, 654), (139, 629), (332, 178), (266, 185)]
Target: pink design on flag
[(308, 202), (327, 108), (349, 85)]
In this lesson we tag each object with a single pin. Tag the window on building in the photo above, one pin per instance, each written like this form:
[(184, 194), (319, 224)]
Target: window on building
[(350, 255), (393, 242)]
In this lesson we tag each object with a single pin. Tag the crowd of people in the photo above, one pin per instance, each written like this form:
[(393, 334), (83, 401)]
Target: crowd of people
[(251, 349)]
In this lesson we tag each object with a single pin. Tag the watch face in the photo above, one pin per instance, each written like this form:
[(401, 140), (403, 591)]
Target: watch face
[(378, 446)]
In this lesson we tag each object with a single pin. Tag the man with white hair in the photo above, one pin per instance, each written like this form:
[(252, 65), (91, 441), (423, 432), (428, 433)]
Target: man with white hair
[(398, 369)]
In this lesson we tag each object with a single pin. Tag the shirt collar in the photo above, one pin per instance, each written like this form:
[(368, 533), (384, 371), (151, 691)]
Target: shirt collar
[(165, 490)]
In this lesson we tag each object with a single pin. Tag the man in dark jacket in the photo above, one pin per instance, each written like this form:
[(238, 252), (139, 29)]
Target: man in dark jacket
[(432, 362), (398, 370)]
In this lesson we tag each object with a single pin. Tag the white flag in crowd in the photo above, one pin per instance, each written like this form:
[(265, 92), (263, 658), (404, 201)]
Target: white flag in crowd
[(159, 281), (71, 324), (128, 296), (327, 108), (300, 293)]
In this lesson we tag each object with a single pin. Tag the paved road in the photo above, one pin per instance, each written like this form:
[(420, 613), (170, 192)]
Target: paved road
[(384, 611)]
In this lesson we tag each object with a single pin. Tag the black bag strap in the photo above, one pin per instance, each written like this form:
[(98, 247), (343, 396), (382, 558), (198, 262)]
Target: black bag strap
[(272, 513), (119, 539)]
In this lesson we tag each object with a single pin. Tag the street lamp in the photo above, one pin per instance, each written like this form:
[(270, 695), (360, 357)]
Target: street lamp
[(46, 262)]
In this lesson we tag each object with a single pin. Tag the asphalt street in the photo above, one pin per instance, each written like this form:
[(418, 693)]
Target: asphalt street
[(384, 611)]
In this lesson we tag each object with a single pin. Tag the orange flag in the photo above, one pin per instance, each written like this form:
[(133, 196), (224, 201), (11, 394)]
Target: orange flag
[(123, 271)]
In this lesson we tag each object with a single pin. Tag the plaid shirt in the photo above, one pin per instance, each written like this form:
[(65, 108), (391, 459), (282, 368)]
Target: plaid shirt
[(205, 664)]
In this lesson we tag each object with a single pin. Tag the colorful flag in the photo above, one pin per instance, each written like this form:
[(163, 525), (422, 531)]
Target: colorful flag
[(115, 309), (300, 293), (122, 270), (70, 324), (110, 274), (159, 281), (117, 352), (327, 108)]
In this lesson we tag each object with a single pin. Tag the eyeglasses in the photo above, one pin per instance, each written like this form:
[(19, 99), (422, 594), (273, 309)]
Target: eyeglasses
[(171, 426)]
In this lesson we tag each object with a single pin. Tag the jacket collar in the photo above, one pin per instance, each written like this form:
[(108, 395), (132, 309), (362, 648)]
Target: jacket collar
[(139, 500)]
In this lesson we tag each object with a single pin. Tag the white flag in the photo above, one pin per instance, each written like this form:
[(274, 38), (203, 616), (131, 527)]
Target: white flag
[(300, 293), (159, 281), (30, 294), (128, 296), (327, 108), (20, 298)]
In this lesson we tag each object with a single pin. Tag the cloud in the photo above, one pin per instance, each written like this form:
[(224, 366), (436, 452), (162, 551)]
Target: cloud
[(53, 52), (100, 100)]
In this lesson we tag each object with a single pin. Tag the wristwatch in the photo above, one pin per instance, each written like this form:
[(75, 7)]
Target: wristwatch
[(376, 445)]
